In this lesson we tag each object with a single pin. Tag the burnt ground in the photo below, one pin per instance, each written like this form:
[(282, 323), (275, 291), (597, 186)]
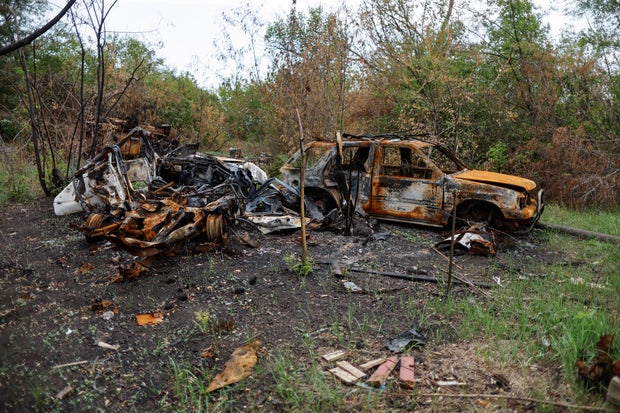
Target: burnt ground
[(55, 288)]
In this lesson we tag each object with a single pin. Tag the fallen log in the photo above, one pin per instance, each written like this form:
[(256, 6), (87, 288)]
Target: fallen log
[(420, 278), (580, 232)]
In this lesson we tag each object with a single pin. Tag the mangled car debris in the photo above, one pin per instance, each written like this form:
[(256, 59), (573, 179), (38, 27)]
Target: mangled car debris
[(184, 199), (409, 179)]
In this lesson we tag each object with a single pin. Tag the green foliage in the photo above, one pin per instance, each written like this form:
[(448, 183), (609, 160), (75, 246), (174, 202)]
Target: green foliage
[(301, 267), (247, 111), (498, 155), (202, 320), (18, 180), (189, 390), (276, 164), (9, 128)]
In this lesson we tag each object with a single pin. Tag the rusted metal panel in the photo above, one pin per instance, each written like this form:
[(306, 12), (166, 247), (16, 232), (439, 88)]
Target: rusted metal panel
[(496, 178)]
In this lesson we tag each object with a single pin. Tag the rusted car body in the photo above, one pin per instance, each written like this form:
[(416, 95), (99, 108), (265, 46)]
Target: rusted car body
[(407, 179)]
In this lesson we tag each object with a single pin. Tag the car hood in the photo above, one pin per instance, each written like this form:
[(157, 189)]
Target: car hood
[(496, 178)]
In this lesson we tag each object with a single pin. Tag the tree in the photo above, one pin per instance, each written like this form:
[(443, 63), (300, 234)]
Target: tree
[(310, 69), (14, 15), (525, 68), (420, 63), (601, 41)]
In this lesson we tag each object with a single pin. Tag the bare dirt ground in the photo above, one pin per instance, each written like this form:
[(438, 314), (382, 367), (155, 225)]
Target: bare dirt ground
[(55, 289)]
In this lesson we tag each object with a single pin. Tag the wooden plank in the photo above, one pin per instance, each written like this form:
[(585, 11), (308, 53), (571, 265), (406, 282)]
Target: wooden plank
[(335, 355), (343, 375), (405, 376), (349, 368), (383, 371), (372, 363)]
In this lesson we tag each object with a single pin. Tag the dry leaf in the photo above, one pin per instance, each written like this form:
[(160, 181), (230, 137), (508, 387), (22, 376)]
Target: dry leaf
[(208, 352), (238, 367), (483, 403), (600, 372), (85, 268), (603, 348), (582, 368), (155, 317), (105, 305)]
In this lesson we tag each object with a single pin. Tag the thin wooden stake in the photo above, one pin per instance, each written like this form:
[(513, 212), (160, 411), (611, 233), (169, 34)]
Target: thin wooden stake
[(302, 177), (451, 243)]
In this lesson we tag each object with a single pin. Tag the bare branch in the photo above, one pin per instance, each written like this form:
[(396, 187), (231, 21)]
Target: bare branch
[(32, 37)]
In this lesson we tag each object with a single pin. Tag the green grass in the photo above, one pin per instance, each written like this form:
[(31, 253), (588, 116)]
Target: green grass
[(18, 180), (606, 222), (547, 313)]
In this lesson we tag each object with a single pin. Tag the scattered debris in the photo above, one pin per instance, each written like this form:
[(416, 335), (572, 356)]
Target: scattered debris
[(104, 305), (475, 240), (64, 392), (449, 383), (107, 346), (238, 367), (335, 355), (346, 372), (108, 315), (352, 287), (155, 317), (613, 392), (378, 378), (406, 372), (372, 363), (208, 352), (75, 363), (411, 336), (501, 381), (336, 269), (85, 268)]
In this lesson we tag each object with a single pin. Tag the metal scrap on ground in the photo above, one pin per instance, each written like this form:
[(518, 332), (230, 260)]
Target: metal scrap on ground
[(150, 195)]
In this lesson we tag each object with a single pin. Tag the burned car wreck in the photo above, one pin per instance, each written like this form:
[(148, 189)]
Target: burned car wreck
[(413, 180)]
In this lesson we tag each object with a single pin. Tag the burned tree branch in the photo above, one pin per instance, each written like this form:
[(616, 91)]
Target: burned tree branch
[(32, 37)]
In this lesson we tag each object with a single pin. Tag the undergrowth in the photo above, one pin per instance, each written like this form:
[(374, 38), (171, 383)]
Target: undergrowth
[(18, 180), (547, 313)]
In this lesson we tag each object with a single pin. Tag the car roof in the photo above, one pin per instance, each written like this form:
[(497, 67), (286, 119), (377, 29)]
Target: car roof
[(416, 141)]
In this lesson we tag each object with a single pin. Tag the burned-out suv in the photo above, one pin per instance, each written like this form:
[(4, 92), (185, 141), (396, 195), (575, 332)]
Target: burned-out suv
[(408, 179)]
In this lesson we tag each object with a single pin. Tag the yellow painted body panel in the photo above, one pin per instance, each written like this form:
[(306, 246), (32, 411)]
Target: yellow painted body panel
[(496, 178)]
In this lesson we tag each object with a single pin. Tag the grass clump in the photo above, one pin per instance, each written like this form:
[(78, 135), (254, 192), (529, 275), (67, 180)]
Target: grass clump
[(18, 180), (301, 267), (202, 320)]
